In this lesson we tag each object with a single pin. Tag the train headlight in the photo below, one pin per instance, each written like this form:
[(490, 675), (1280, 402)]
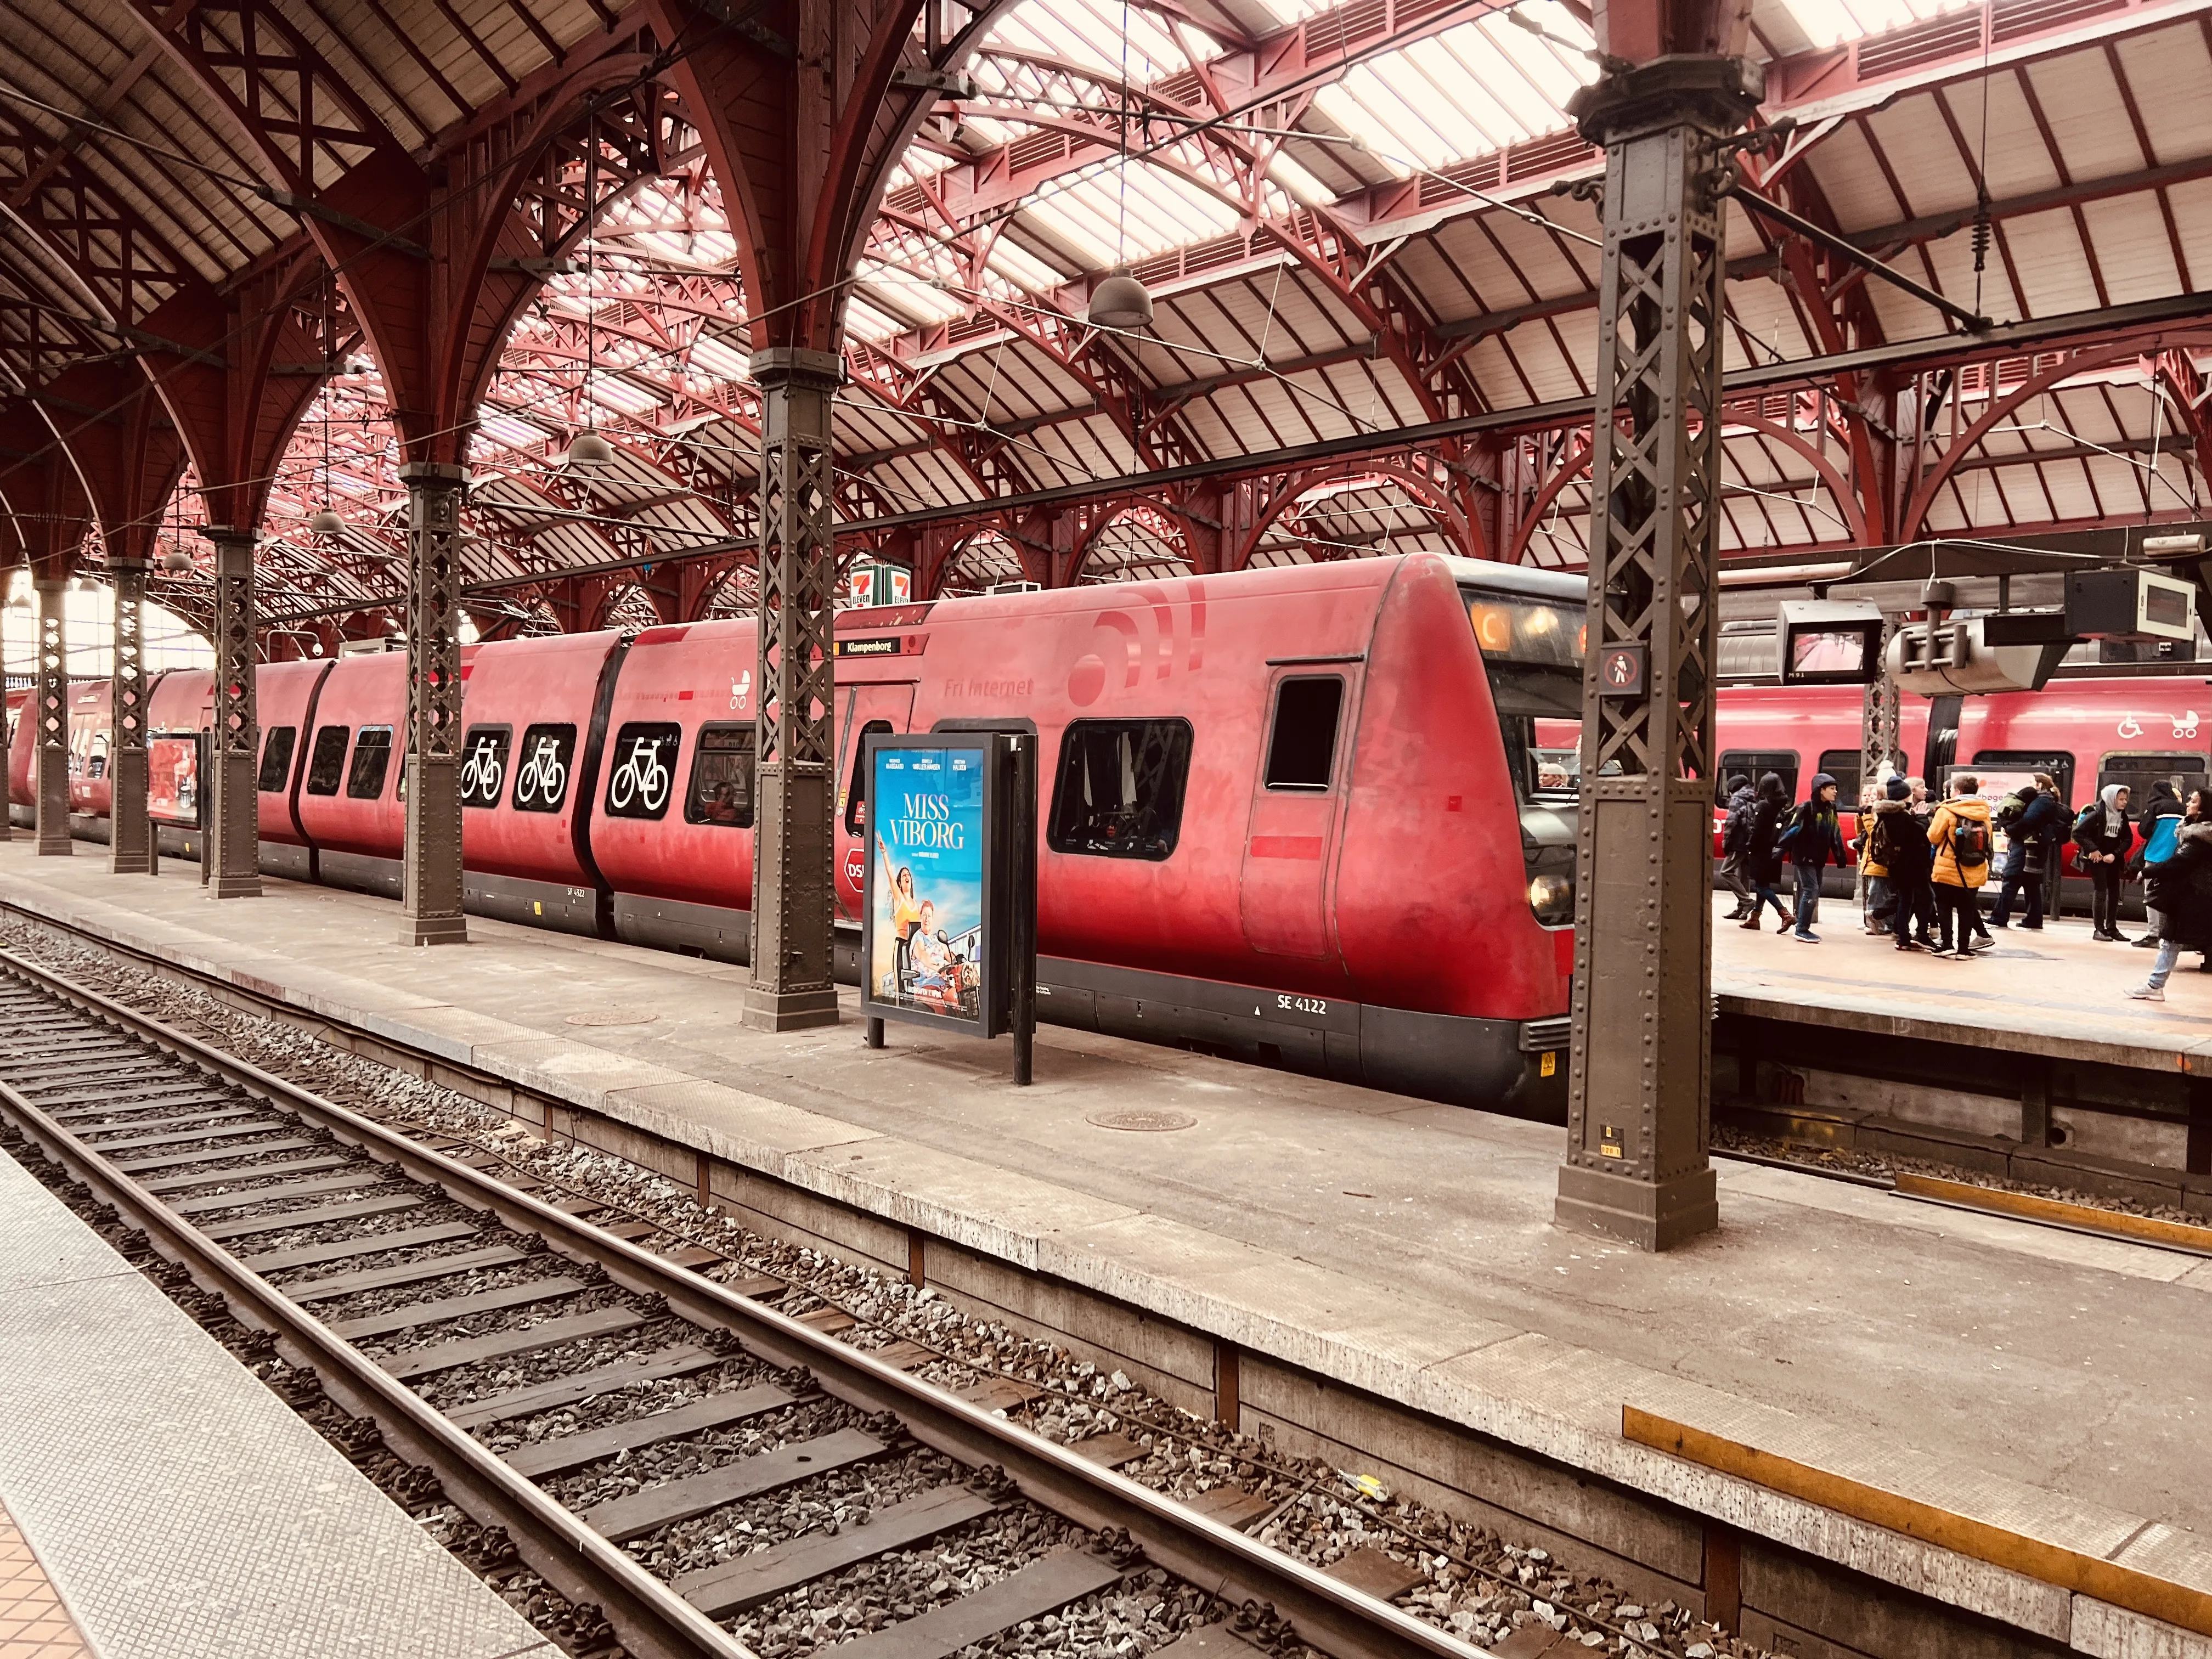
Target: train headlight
[(1553, 899)]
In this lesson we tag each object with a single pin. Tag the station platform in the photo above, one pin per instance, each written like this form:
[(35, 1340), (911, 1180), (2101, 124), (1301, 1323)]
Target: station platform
[(158, 1502), (2047, 1386)]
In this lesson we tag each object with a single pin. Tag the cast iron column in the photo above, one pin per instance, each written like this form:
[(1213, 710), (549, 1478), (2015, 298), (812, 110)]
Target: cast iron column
[(1639, 1078), (792, 741), (1881, 717), (232, 842), (50, 790), (131, 849), (430, 908)]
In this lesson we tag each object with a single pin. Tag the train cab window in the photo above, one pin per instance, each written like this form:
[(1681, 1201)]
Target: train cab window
[(722, 791), (1120, 788), (1756, 763), (371, 759), (1842, 765), (483, 764), (2181, 772), (541, 768), (95, 759), (856, 792), (327, 765), (2060, 765), (642, 769), (276, 758), (1302, 752)]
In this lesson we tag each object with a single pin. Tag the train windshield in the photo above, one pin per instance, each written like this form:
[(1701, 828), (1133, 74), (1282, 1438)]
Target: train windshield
[(1532, 649)]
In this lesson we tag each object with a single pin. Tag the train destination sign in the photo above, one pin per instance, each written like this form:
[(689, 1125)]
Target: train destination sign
[(947, 922)]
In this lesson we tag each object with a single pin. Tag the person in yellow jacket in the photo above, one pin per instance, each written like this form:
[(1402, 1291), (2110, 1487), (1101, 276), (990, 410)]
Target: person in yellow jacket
[(1959, 832)]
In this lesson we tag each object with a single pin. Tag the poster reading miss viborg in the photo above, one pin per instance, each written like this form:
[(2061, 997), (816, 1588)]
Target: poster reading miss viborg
[(927, 805)]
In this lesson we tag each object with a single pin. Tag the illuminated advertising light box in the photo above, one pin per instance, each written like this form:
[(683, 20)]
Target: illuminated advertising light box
[(948, 923), (174, 771)]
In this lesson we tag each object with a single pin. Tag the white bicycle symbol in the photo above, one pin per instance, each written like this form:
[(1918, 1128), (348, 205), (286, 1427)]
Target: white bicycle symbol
[(642, 778), (480, 774), (542, 777)]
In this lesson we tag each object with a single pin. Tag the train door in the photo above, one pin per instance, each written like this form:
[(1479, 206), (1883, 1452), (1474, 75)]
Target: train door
[(872, 707), (1289, 846)]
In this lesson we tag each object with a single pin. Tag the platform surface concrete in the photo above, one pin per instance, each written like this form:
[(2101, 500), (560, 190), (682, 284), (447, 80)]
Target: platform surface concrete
[(161, 1503), (2061, 1382), (2056, 991)]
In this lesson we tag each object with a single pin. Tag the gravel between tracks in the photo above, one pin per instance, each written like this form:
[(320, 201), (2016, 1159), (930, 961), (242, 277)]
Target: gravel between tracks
[(1476, 1584)]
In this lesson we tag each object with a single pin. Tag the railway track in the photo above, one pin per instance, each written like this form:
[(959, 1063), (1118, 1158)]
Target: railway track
[(606, 1413)]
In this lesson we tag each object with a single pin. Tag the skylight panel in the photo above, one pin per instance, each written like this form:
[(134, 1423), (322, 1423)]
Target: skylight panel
[(710, 356), (865, 322), (506, 430), (1435, 108), (1356, 120), (1028, 273), (1294, 179), (1546, 77), (620, 395)]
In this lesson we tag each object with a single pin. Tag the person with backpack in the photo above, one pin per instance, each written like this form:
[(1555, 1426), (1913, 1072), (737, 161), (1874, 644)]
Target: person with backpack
[(2104, 834), (1812, 840), (2179, 888), (2159, 826), (1762, 863), (1959, 833), (1897, 846), (1736, 841), (2039, 819)]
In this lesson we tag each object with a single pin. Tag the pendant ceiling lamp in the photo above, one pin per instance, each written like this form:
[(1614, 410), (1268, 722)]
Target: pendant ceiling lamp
[(587, 448), (1121, 302)]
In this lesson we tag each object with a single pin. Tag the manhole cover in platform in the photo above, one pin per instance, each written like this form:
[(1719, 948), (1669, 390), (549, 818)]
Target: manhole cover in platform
[(615, 1017), (1143, 1119)]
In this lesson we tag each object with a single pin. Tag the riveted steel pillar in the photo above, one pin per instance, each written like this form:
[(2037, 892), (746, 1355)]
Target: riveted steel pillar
[(1639, 1075), (130, 848), (793, 739), (50, 790), (1881, 747), (430, 905), (232, 846)]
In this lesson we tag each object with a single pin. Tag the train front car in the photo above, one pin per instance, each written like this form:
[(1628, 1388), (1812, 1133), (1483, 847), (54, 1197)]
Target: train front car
[(1455, 897)]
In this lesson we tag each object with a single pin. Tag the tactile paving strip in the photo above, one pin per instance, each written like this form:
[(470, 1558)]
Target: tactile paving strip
[(33, 1623)]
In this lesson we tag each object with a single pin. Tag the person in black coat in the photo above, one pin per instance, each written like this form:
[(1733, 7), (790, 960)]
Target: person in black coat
[(1762, 862), (2104, 833), (1899, 844), (2180, 891), (2028, 841), (1736, 837), (1816, 840)]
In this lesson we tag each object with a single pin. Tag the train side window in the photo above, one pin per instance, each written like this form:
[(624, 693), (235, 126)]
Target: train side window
[(722, 791), (643, 761), (371, 759), (541, 768), (1302, 753), (1120, 788), (1756, 763), (483, 764), (2138, 772), (856, 793), (327, 765), (1842, 765), (2059, 764), (277, 747)]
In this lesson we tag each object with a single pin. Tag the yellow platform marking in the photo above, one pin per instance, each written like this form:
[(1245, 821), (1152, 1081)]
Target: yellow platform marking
[(2050, 1564), (2031, 1207)]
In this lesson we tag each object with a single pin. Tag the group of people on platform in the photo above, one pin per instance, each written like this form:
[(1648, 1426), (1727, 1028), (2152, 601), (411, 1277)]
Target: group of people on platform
[(1927, 859)]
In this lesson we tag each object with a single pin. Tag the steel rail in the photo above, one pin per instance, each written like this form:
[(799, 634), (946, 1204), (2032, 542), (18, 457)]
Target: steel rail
[(1327, 1613)]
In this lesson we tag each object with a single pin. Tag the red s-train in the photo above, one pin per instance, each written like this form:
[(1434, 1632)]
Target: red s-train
[(1300, 816)]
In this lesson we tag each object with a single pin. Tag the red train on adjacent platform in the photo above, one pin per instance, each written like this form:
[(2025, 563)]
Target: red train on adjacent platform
[(1298, 816), (1320, 816)]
